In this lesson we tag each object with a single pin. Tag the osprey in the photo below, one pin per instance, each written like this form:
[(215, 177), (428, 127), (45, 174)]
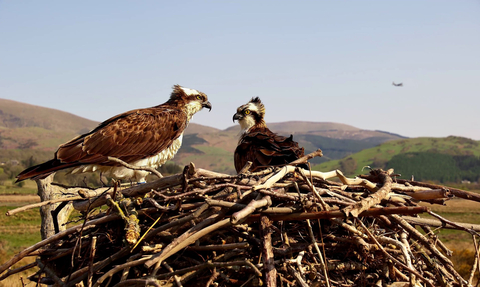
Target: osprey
[(257, 143), (397, 85), (143, 137)]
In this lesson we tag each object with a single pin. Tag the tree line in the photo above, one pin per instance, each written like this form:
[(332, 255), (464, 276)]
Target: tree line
[(436, 166)]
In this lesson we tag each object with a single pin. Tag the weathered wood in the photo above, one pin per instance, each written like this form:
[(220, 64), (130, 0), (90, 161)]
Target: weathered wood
[(372, 199), (269, 271), (455, 191), (49, 192)]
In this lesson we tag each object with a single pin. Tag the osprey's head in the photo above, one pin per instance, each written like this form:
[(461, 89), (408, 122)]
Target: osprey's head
[(192, 100), (251, 114)]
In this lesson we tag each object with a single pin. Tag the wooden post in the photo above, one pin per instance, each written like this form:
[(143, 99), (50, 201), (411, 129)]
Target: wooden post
[(47, 191)]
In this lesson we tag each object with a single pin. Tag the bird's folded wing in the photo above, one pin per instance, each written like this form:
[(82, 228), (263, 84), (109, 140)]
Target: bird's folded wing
[(130, 136)]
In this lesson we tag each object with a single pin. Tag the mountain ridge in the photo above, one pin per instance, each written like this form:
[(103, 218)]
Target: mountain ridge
[(25, 126)]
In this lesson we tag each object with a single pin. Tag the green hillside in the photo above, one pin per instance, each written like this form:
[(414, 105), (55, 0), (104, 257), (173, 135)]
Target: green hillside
[(448, 159), (333, 148)]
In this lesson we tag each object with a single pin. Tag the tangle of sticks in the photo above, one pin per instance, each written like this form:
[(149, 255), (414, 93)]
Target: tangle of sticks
[(282, 226)]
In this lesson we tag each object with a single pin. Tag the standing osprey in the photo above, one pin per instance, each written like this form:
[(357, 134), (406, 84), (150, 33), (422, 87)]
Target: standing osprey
[(257, 143), (143, 137)]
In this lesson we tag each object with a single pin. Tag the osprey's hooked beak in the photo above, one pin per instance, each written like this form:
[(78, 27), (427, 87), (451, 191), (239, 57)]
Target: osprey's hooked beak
[(237, 117), (207, 105)]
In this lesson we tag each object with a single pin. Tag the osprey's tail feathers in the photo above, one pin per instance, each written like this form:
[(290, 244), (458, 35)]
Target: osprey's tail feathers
[(43, 170)]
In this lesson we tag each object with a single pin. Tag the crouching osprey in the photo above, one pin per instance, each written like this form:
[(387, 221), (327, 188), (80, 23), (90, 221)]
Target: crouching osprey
[(257, 143), (143, 137)]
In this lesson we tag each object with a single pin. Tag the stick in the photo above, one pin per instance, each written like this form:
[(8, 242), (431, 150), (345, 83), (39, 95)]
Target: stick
[(238, 216), (305, 158), (145, 168), (137, 190), (269, 271), (210, 264), (56, 237), (92, 256), (458, 226), (416, 234), (438, 223), (34, 205), (339, 214), (457, 192), (373, 199), (186, 239), (391, 257), (323, 263)]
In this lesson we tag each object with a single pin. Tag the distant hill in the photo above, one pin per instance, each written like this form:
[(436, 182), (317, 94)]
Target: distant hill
[(28, 127), (20, 115), (449, 159), (214, 149), (194, 128)]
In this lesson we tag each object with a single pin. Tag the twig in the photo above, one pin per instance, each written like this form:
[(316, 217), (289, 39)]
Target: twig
[(50, 273), (438, 223), (145, 168), (391, 257), (210, 264), (373, 199), (92, 257), (34, 205), (54, 238), (186, 239), (340, 214), (456, 192), (323, 263), (238, 216), (416, 234), (297, 276), (136, 190), (458, 226), (247, 166), (475, 261), (169, 268), (17, 270), (305, 158), (223, 247)]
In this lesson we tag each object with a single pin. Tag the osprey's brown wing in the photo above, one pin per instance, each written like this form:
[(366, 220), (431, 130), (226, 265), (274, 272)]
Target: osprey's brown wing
[(129, 136), (265, 148)]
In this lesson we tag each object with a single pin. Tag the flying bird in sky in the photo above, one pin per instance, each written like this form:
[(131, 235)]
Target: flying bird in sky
[(397, 85), (257, 143), (143, 137)]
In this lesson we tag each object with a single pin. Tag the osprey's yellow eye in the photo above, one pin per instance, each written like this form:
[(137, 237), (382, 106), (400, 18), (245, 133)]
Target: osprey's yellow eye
[(199, 98), (247, 112)]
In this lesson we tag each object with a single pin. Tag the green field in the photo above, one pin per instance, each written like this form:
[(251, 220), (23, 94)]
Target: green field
[(16, 233), (212, 158), (8, 187)]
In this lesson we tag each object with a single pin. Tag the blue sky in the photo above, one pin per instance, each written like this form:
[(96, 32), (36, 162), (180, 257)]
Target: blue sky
[(325, 61)]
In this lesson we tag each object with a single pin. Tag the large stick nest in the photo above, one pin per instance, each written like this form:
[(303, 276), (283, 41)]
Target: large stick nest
[(283, 225)]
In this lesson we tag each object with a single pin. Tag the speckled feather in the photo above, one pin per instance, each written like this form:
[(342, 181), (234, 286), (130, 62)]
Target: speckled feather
[(140, 137), (264, 148)]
